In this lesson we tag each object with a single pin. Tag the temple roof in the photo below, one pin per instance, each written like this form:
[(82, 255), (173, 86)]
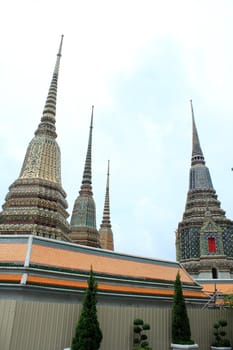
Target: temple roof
[(32, 261), (221, 286)]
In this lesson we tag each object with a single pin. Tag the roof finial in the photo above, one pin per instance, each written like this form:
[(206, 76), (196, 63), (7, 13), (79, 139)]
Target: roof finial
[(197, 155)]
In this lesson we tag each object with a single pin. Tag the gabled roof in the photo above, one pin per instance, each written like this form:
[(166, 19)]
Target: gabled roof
[(32, 261)]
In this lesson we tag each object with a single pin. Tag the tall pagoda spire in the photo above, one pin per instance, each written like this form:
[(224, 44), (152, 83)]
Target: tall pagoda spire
[(105, 231), (197, 155), (86, 187), (204, 232), (83, 219), (47, 125), (199, 173), (36, 201), (41, 163)]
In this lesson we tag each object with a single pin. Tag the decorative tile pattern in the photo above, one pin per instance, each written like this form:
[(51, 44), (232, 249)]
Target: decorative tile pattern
[(203, 218), (36, 202), (83, 219)]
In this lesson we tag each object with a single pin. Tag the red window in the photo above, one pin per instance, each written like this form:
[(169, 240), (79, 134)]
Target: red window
[(211, 245)]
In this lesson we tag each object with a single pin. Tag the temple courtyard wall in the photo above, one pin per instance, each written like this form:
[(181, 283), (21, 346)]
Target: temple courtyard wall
[(46, 325)]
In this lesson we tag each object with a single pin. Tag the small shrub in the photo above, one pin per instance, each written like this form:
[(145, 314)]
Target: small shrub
[(140, 338), (219, 334)]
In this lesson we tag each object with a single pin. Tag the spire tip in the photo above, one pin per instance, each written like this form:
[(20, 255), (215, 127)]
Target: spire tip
[(191, 103), (92, 113), (60, 47), (108, 167)]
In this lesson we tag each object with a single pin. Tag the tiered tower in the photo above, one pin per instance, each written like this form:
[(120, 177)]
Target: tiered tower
[(105, 231), (204, 239), (36, 202), (83, 219)]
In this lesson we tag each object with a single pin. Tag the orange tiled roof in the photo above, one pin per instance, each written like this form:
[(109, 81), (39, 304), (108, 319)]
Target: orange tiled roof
[(50, 256), (219, 286), (7, 277), (13, 252), (61, 265), (104, 287)]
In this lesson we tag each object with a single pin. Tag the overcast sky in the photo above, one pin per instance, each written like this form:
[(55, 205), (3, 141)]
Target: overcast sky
[(139, 63)]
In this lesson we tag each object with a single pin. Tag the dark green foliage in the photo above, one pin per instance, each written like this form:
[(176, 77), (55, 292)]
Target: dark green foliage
[(222, 323), (228, 300), (143, 337), (137, 329), (144, 344), (146, 327), (219, 334), (181, 333), (138, 322), (88, 335), (140, 338)]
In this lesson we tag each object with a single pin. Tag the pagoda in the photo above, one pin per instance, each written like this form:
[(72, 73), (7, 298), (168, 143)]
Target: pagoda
[(204, 238), (36, 202), (83, 219), (105, 231)]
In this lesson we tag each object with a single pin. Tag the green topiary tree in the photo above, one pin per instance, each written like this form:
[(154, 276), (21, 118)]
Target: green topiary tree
[(220, 333), (88, 334), (140, 338), (181, 333)]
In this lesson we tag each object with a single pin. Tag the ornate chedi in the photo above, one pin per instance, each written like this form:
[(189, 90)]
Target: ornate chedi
[(35, 203), (204, 239), (105, 231), (83, 219)]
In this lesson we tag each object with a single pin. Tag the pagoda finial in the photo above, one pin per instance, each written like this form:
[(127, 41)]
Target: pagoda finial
[(199, 174), (87, 176), (106, 214), (105, 231), (60, 47), (197, 155), (47, 124)]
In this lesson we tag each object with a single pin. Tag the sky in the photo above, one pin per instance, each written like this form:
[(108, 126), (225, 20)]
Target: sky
[(139, 63)]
